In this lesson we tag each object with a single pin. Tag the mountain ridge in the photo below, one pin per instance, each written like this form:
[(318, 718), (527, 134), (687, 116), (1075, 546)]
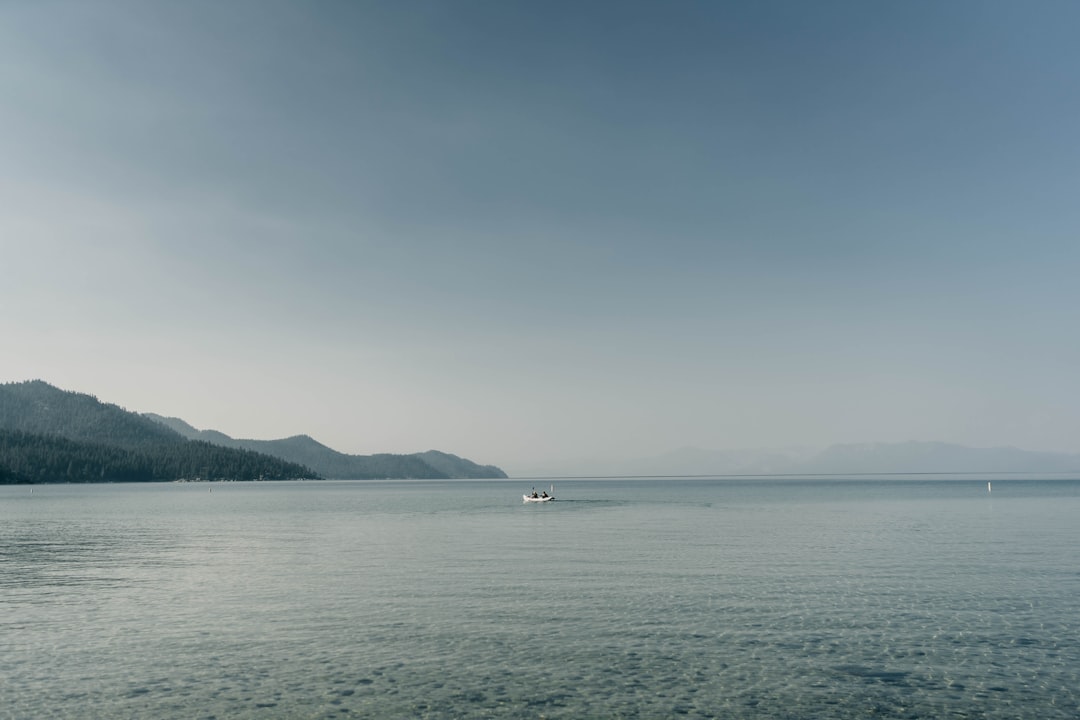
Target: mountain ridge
[(52, 435), (330, 463)]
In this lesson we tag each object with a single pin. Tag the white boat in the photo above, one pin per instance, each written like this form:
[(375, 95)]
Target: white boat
[(540, 497)]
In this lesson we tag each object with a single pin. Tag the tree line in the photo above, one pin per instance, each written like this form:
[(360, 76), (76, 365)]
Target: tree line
[(37, 458)]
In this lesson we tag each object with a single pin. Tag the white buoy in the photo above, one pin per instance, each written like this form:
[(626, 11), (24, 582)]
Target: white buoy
[(988, 488)]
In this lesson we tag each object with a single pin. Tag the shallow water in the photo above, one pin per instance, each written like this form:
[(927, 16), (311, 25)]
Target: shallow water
[(752, 598)]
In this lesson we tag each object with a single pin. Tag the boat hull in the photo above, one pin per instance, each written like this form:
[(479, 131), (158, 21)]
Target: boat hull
[(531, 499)]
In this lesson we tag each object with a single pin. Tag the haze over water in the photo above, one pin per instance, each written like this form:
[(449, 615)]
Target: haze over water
[(763, 598)]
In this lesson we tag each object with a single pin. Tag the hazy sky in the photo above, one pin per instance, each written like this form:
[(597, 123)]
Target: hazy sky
[(519, 231)]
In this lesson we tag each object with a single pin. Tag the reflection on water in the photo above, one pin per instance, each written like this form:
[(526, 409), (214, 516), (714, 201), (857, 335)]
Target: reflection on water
[(744, 599)]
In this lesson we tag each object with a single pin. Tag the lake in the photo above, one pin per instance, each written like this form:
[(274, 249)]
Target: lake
[(897, 597)]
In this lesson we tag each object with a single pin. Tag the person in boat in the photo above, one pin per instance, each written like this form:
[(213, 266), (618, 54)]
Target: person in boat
[(544, 494), (534, 493)]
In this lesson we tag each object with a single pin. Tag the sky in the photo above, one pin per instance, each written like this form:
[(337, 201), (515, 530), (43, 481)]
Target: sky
[(520, 231)]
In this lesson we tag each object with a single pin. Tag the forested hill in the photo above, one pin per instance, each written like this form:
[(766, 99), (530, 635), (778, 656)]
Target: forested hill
[(39, 408), (330, 463), (30, 458), (52, 435)]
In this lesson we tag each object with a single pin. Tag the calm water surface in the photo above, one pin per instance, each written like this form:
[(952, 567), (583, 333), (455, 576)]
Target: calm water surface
[(726, 598)]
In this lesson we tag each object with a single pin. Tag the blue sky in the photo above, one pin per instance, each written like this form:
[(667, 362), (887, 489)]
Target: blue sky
[(520, 231)]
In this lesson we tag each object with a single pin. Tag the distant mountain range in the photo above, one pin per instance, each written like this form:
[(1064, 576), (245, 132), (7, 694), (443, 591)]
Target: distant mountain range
[(329, 463), (875, 458), (935, 457), (53, 435)]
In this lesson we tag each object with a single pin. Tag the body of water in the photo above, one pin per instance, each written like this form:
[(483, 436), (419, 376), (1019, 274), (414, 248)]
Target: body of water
[(727, 598)]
